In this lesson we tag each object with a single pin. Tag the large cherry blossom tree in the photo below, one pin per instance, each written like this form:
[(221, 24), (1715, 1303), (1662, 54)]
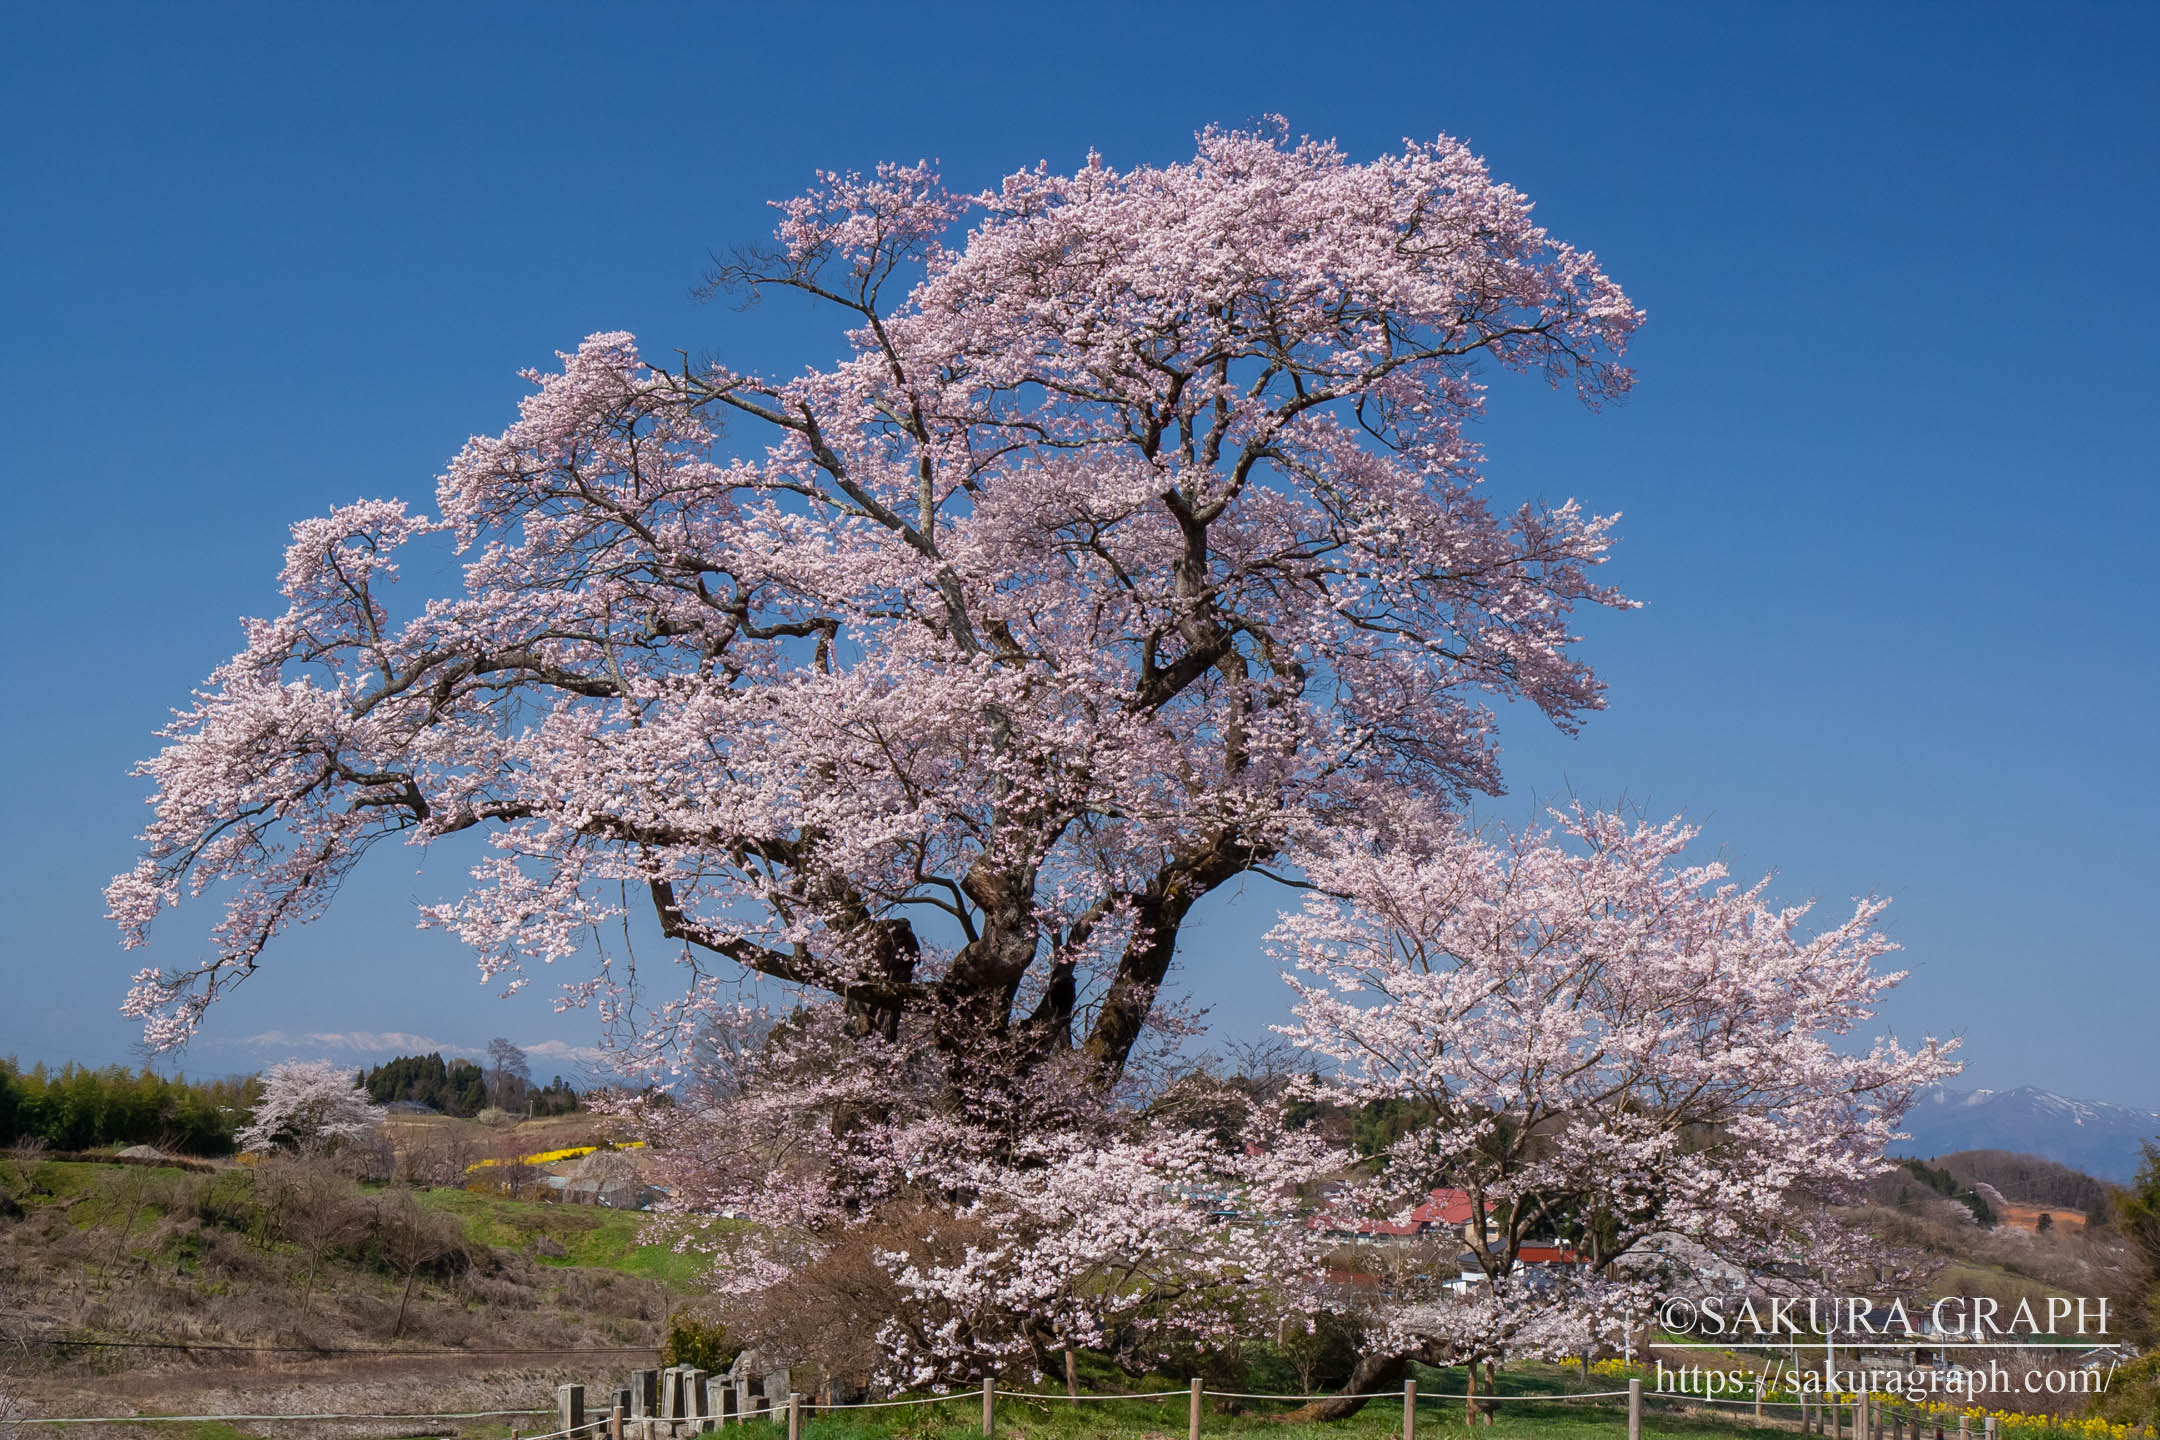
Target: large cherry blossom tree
[(1133, 533), (1132, 542), (1609, 1048)]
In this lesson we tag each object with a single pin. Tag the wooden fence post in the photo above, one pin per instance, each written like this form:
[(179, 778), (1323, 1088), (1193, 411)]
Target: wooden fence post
[(794, 1415), (1758, 1396), (1409, 1410), (990, 1407), (1634, 1408), (615, 1423), (1192, 1416)]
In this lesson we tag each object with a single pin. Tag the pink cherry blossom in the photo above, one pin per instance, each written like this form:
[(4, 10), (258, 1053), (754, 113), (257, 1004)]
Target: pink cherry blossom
[(308, 1105), (1135, 534), (1134, 542), (1611, 1048)]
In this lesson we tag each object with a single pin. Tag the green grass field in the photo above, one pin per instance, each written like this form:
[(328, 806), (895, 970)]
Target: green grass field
[(1058, 1419), (1532, 1417), (589, 1235)]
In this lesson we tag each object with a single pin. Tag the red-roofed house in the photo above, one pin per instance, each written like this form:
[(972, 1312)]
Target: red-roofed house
[(1447, 1212)]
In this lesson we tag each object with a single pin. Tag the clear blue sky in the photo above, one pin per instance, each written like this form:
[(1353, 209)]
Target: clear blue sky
[(1888, 475)]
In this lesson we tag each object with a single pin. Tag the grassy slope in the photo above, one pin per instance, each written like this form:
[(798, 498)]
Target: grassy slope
[(606, 1239), (588, 1234), (173, 1275)]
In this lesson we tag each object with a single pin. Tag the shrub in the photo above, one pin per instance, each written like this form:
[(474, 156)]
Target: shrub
[(692, 1340)]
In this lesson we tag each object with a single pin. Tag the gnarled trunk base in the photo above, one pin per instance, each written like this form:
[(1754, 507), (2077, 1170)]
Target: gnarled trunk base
[(1372, 1372)]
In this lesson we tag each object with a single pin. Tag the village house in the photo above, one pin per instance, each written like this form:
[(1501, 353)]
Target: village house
[(1448, 1211)]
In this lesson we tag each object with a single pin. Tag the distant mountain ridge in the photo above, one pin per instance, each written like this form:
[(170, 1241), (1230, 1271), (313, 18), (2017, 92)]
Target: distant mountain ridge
[(2094, 1136)]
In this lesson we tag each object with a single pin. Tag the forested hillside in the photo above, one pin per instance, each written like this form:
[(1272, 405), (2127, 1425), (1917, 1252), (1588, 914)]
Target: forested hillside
[(80, 1108)]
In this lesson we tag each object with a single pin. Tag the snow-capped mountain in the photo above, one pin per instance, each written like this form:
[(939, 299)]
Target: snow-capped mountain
[(2089, 1135)]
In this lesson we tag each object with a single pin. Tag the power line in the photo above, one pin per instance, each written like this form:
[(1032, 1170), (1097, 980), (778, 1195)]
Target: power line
[(63, 1342), (200, 1419)]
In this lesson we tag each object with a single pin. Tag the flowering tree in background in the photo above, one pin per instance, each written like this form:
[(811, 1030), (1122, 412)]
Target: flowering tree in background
[(309, 1105), (1607, 1047)]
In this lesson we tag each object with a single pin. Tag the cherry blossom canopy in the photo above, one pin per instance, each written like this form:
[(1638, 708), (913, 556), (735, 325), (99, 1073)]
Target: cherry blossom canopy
[(1134, 535)]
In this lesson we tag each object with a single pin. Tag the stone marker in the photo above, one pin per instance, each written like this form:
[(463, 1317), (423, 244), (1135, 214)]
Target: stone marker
[(719, 1396)]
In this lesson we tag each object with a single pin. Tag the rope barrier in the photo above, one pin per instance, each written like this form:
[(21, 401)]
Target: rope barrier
[(205, 1419), (61, 1342), (1242, 1395), (961, 1396), (586, 1431), (1393, 1394), (1148, 1396), (577, 1432)]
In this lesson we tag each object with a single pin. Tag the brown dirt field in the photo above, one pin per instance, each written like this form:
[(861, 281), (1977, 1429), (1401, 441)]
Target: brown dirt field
[(350, 1385), (2027, 1217)]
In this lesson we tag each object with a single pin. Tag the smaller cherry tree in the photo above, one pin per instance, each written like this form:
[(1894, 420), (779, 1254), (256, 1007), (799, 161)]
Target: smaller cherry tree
[(1158, 1242), (1614, 1052), (309, 1105)]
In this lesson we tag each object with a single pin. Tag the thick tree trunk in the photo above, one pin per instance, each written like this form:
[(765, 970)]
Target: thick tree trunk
[(1372, 1372), (1158, 912)]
